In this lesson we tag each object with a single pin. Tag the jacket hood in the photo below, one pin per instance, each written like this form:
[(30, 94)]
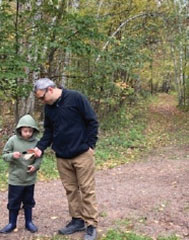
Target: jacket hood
[(27, 121)]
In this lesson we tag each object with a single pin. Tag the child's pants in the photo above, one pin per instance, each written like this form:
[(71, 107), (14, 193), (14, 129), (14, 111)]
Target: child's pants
[(20, 194)]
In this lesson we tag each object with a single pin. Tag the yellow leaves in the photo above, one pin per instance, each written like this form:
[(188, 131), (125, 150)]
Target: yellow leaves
[(122, 85), (146, 4), (41, 176)]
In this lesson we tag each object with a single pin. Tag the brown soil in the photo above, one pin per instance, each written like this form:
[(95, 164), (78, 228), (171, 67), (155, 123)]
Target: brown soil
[(149, 197)]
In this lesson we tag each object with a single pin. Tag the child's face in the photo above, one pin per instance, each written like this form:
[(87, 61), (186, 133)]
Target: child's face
[(26, 132)]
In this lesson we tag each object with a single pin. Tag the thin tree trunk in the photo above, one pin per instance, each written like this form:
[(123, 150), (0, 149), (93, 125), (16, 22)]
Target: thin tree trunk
[(67, 58), (27, 103), (176, 74), (16, 51)]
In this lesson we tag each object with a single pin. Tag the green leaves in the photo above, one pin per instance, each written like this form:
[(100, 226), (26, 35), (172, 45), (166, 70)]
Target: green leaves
[(99, 47)]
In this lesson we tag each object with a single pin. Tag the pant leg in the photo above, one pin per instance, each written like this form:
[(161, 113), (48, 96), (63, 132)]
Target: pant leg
[(28, 197), (15, 194), (68, 177), (85, 171)]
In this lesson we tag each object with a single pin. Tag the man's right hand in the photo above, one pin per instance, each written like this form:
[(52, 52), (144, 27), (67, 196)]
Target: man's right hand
[(37, 152)]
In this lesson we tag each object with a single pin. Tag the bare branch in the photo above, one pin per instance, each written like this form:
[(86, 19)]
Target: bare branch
[(118, 29), (99, 7)]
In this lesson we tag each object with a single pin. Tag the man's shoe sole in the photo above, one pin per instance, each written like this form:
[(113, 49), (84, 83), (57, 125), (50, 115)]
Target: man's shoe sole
[(71, 232)]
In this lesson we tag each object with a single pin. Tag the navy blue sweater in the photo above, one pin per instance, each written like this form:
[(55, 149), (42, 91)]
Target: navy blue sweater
[(70, 125)]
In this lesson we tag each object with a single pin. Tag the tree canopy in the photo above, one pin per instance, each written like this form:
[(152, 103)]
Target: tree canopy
[(113, 51)]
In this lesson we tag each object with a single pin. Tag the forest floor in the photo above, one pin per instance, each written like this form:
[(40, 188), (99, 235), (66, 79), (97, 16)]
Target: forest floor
[(149, 196)]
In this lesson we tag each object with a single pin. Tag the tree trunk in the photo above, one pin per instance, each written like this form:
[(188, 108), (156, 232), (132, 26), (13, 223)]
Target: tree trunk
[(17, 52), (74, 5)]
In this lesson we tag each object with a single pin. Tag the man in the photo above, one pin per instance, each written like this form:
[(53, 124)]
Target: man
[(71, 128)]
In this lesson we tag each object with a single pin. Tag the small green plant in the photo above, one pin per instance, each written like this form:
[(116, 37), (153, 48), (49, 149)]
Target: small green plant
[(173, 237), (119, 235), (124, 224), (103, 214)]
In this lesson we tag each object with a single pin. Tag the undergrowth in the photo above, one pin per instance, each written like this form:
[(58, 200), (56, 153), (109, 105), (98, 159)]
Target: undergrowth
[(127, 135), (120, 140), (121, 137)]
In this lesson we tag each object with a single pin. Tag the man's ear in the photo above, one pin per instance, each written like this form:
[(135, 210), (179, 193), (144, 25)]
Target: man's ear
[(50, 89)]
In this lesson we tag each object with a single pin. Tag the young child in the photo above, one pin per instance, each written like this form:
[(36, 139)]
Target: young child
[(22, 172)]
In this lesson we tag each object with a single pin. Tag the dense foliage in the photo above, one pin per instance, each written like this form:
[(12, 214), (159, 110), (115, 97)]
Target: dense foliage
[(113, 51)]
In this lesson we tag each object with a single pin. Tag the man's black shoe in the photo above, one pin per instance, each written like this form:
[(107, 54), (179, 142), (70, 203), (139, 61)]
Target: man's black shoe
[(76, 225), (91, 233)]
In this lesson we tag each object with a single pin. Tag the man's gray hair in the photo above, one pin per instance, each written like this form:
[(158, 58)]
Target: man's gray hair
[(43, 83)]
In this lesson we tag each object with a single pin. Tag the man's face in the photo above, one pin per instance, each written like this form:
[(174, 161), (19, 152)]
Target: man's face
[(26, 132), (45, 95)]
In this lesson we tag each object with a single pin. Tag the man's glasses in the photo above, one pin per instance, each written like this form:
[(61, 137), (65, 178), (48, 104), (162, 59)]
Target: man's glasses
[(43, 97)]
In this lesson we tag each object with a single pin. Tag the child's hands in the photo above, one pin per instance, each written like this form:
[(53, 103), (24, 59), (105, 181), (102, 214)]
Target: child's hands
[(31, 169), (16, 155)]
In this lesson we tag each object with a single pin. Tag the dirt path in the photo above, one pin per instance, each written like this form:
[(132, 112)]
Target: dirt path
[(148, 197)]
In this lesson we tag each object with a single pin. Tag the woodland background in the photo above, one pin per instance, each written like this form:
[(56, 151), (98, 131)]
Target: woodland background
[(114, 51), (118, 53)]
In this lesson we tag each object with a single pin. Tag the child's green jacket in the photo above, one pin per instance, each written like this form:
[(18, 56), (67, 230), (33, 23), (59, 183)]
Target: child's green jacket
[(18, 174)]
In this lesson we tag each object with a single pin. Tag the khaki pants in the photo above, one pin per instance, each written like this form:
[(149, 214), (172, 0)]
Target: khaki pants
[(77, 176)]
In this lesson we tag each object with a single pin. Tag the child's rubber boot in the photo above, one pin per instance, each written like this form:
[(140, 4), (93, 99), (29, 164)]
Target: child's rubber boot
[(28, 220), (12, 222)]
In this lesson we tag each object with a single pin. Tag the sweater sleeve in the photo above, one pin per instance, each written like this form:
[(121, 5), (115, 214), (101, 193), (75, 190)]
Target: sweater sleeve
[(8, 151), (46, 139), (90, 119)]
